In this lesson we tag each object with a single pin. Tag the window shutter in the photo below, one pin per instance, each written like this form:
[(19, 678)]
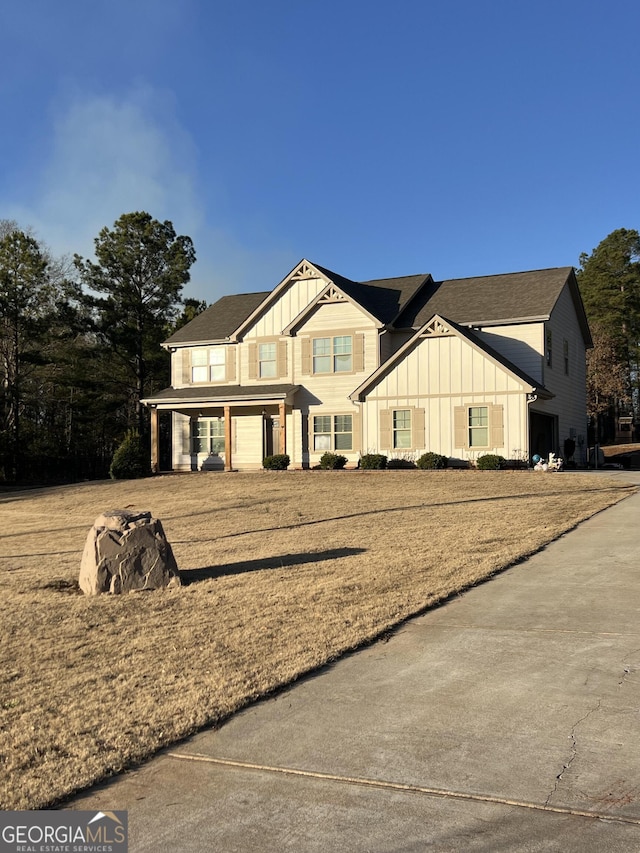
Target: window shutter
[(305, 353), (186, 366), (417, 437), (282, 359), (385, 429), (231, 355), (356, 425), (460, 434), (253, 361), (497, 426), (186, 436), (358, 353)]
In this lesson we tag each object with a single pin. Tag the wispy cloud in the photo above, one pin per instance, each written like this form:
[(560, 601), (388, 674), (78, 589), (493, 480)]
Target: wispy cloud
[(109, 156)]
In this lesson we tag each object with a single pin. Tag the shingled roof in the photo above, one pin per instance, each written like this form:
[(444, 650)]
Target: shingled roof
[(219, 321), (489, 299)]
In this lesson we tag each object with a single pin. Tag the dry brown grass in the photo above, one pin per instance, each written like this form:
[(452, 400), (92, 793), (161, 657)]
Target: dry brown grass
[(285, 572)]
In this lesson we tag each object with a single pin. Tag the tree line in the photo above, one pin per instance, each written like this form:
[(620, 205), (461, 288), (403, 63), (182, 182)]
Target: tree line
[(80, 344), (80, 341)]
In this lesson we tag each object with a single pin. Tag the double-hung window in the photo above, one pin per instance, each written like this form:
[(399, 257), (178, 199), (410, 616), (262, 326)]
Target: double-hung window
[(401, 429), (207, 435), (267, 360), (332, 432), (333, 355), (478, 426), (208, 365)]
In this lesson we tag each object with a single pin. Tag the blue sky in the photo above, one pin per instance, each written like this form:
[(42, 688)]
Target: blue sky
[(377, 139)]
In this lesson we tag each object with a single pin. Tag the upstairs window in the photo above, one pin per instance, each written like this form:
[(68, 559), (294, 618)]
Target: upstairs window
[(333, 355), (267, 361), (208, 365)]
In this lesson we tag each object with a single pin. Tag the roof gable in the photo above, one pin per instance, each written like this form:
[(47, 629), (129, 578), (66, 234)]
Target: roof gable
[(439, 326), (219, 321)]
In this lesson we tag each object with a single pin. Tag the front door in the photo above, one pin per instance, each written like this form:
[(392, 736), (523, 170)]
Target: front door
[(271, 436)]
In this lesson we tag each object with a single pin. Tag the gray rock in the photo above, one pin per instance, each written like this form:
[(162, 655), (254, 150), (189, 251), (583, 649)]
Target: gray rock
[(127, 551)]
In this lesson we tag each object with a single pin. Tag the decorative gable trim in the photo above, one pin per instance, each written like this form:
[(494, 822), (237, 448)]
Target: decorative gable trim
[(303, 271), (436, 327), (331, 294)]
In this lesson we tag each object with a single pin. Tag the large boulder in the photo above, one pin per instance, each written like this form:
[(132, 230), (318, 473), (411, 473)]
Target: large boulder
[(126, 551)]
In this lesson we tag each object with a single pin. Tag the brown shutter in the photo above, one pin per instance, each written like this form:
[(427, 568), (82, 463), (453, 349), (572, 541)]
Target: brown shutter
[(281, 366), (253, 361), (385, 429), (358, 353), (496, 415), (356, 426), (230, 357), (186, 366), (305, 355), (460, 424), (186, 436), (417, 433)]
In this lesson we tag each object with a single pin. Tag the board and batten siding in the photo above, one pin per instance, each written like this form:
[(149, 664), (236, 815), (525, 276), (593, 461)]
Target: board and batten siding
[(291, 301), (438, 374)]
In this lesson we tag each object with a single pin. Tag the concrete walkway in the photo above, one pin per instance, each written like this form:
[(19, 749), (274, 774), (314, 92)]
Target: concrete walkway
[(507, 720)]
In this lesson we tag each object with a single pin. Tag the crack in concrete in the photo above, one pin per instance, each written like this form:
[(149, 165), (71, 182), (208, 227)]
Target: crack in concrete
[(574, 751)]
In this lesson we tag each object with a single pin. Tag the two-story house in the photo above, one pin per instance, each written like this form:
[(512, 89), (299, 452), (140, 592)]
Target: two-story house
[(397, 366)]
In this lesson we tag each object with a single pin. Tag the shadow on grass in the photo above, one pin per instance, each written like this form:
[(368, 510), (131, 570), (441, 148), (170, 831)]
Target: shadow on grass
[(281, 561)]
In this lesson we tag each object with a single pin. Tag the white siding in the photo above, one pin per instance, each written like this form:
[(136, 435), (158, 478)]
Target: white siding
[(522, 344), (289, 304), (438, 374)]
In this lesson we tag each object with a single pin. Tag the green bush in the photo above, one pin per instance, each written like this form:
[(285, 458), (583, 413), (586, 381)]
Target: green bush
[(131, 459), (373, 461), (490, 462), (400, 463), (277, 462), (432, 461), (332, 461)]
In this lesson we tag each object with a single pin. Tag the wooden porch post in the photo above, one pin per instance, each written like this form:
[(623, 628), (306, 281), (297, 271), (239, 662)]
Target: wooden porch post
[(155, 452), (227, 439), (282, 408)]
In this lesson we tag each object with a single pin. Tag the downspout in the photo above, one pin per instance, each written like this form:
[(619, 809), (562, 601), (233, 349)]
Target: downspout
[(531, 398)]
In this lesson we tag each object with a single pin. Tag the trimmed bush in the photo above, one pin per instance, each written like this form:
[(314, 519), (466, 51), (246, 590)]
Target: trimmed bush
[(131, 459), (490, 462), (277, 462), (332, 461), (432, 461), (400, 463), (373, 462)]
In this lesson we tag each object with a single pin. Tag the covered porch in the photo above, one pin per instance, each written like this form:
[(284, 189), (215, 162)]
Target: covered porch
[(223, 427)]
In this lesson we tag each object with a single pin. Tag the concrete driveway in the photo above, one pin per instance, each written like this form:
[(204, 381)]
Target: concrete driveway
[(506, 720)]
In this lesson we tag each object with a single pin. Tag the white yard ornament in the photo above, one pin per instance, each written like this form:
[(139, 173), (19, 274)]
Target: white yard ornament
[(555, 463)]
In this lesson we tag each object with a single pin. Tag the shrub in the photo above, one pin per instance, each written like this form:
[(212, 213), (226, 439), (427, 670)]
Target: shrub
[(277, 462), (432, 460), (373, 461), (131, 459), (490, 462), (401, 463), (332, 461)]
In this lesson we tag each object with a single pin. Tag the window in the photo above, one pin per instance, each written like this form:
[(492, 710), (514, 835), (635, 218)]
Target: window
[(333, 355), (332, 432), (478, 426), (208, 365), (549, 348), (267, 361), (207, 435), (565, 353), (401, 429)]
